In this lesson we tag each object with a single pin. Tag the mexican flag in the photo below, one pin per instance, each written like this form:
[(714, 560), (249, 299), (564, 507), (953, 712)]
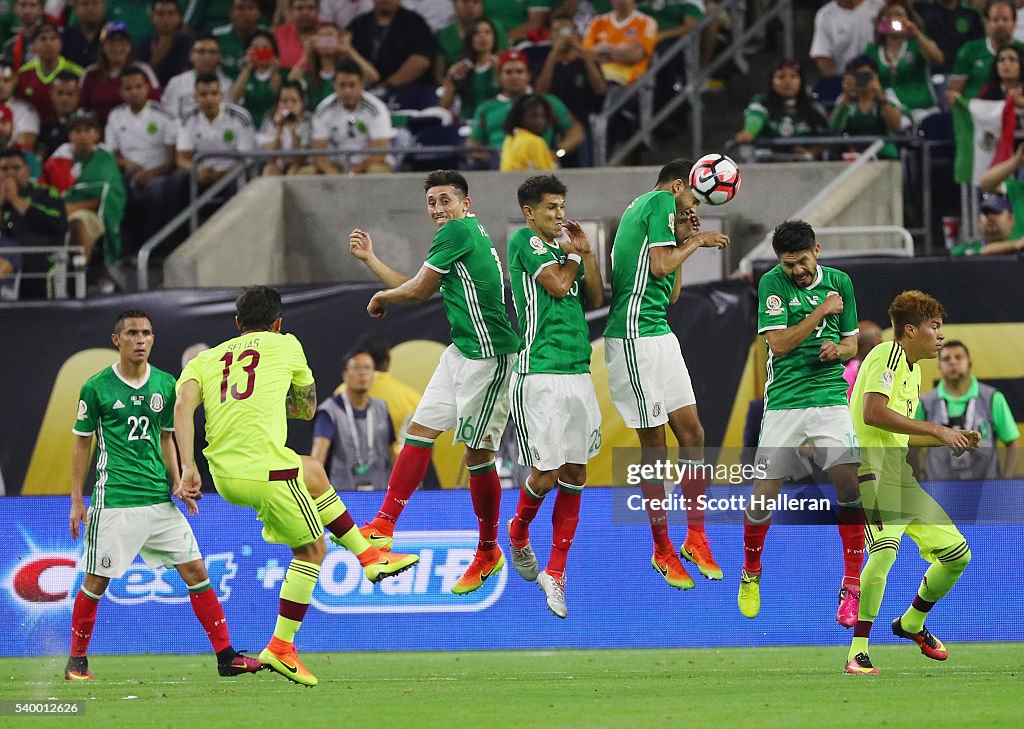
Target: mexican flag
[(983, 130)]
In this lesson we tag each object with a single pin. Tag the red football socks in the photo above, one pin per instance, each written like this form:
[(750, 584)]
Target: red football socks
[(211, 616), (410, 468), (83, 618), (564, 519), (485, 490)]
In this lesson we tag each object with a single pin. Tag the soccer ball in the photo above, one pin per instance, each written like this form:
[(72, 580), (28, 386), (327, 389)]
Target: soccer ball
[(715, 179)]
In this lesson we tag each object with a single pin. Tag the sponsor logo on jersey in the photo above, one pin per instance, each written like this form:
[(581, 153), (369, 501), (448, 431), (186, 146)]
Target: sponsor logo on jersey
[(156, 402), (486, 440), (813, 299), (82, 409), (138, 399), (672, 222), (117, 405), (795, 301), (773, 305), (426, 588)]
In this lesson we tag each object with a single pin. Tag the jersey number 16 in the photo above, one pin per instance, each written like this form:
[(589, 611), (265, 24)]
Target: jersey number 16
[(250, 369)]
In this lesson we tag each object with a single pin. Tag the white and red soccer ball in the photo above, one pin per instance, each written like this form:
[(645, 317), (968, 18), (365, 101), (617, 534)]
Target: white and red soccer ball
[(714, 179)]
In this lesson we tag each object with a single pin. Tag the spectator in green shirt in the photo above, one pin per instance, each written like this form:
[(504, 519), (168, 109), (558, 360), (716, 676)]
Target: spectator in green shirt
[(451, 39), (974, 61), (960, 401), (473, 80), (1004, 80), (234, 37), (905, 55), (996, 223), (260, 77), (324, 51), (784, 111), (864, 109)]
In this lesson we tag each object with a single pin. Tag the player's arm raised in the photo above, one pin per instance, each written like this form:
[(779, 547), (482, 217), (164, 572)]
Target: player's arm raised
[(784, 341), (414, 291), (878, 415), (81, 453), (189, 397), (360, 245), (300, 404), (593, 285), (558, 279)]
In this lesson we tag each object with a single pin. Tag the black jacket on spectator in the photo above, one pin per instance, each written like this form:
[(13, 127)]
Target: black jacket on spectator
[(79, 49), (43, 224), (388, 48), (950, 29), (52, 134), (571, 84), (175, 62)]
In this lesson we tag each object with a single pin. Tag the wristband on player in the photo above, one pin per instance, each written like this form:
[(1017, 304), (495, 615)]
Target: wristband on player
[(575, 257)]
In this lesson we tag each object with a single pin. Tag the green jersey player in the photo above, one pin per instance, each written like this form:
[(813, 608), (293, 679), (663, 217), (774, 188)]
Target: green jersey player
[(129, 408), (649, 383), (554, 406), (468, 392), (808, 314)]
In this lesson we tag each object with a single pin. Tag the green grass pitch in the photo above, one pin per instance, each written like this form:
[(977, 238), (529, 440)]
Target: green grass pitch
[(980, 686)]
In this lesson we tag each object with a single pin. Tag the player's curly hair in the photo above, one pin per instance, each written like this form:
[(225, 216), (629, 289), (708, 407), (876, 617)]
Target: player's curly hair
[(914, 308), (257, 307)]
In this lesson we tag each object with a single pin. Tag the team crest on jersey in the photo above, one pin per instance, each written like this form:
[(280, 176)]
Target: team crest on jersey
[(773, 305), (887, 379), (538, 246), (156, 402), (82, 409), (105, 561), (762, 462), (657, 410)]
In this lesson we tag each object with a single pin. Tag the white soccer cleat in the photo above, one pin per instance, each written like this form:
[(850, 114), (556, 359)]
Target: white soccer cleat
[(554, 590), (524, 559)]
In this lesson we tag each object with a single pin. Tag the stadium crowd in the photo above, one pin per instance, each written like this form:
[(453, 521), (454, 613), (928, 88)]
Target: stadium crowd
[(110, 102)]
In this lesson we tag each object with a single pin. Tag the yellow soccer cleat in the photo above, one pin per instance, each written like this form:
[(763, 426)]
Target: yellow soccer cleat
[(389, 565), (697, 550), (281, 657), (484, 565), (749, 598), (666, 563)]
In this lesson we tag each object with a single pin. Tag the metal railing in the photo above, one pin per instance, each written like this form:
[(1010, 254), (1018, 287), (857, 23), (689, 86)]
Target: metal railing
[(197, 199), (643, 88), (763, 250), (68, 263), (927, 148)]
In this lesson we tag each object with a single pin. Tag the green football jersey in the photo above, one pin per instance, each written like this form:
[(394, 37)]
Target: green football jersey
[(473, 289), (639, 299), (799, 379), (554, 336), (127, 422)]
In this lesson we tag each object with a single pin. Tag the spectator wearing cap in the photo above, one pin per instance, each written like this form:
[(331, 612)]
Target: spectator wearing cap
[(26, 118), (30, 215), (180, 93), (451, 39), (514, 82), (35, 77), (784, 111), (864, 109), (294, 35), (142, 134), (572, 74), (996, 223), (214, 125), (351, 118), (842, 28), (30, 19), (101, 85), (951, 24), (167, 49), (90, 182), (1002, 178), (82, 41), (65, 95), (233, 38), (398, 43)]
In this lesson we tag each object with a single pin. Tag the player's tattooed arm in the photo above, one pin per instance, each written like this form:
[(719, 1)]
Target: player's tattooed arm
[(301, 402)]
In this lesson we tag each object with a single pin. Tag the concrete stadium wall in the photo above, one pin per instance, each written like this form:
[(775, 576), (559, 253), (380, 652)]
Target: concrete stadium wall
[(295, 229)]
